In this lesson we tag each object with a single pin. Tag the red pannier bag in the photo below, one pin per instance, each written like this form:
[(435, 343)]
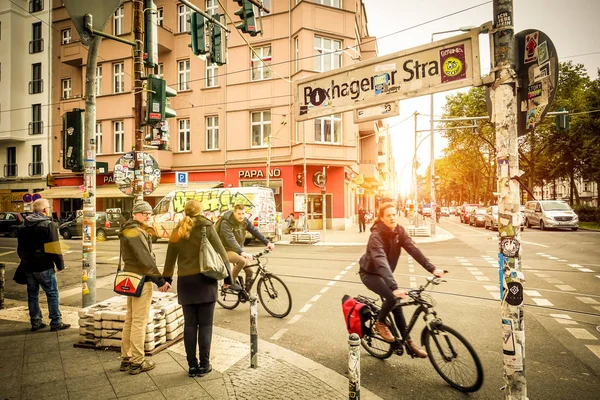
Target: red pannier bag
[(357, 315)]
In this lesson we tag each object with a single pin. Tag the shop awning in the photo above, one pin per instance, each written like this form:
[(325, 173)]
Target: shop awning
[(163, 189), (112, 191), (61, 192)]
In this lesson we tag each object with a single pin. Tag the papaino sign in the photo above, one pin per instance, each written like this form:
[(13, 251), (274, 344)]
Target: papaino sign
[(435, 67)]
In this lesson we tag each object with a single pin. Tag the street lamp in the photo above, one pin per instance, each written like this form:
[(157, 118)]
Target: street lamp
[(432, 166)]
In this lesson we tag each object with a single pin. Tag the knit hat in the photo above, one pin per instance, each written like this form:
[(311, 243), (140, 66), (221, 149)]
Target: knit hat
[(141, 207)]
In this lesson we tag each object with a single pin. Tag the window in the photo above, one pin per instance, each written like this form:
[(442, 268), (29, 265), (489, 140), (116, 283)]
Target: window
[(36, 5), (183, 13), (586, 187), (66, 88), (37, 43), (11, 162), (161, 70), (36, 125), (259, 68), (183, 77), (212, 133), (184, 135), (212, 7), (99, 138), (212, 74), (37, 84), (98, 80), (36, 160), (118, 19), (65, 36), (297, 54), (331, 3), (160, 16), (119, 129), (328, 54), (329, 129), (119, 77), (260, 128)]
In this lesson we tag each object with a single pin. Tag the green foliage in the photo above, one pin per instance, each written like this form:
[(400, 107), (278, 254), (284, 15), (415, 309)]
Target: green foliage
[(587, 213)]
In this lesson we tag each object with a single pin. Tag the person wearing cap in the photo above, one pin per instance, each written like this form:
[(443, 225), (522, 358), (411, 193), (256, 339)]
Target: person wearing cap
[(136, 251)]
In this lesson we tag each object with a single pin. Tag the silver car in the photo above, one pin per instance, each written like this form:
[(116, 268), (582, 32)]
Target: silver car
[(550, 214)]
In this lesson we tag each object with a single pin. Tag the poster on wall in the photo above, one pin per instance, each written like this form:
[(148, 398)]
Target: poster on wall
[(298, 202)]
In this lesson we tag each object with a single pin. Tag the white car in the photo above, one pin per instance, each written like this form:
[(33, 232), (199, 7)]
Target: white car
[(445, 211)]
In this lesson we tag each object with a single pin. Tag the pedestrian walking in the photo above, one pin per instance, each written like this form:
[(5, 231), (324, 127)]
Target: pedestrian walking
[(136, 251), (362, 218), (40, 253), (197, 293)]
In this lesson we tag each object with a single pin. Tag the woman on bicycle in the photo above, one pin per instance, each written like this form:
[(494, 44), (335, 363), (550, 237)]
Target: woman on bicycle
[(377, 266)]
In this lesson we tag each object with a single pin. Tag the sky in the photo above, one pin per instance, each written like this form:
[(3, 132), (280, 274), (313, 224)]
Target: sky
[(572, 26)]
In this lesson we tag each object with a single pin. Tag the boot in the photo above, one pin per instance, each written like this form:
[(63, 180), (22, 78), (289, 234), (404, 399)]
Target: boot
[(417, 351), (384, 331)]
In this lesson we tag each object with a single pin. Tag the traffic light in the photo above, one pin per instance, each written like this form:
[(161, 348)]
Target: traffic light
[(218, 44), (156, 106), (247, 14), (198, 33), (562, 120), (436, 181), (73, 140), (300, 179)]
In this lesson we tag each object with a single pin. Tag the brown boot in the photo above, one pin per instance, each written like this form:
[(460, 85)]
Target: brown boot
[(417, 351), (384, 331)]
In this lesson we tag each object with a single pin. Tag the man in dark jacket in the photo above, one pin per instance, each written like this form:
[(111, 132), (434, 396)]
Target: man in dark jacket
[(39, 250), (362, 218), (136, 251), (232, 232)]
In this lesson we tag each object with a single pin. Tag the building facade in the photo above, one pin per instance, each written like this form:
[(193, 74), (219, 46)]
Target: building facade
[(235, 124), (25, 115), (561, 190)]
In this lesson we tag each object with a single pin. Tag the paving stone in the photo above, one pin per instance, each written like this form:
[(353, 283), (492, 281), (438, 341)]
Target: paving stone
[(11, 370), (189, 391), (44, 376), (163, 381), (80, 383), (49, 390), (217, 389), (167, 368), (53, 356), (12, 352), (128, 385), (73, 369), (10, 387), (144, 396), (104, 392), (38, 367)]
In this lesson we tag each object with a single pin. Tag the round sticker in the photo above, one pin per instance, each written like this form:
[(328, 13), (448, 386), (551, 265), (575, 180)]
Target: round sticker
[(514, 293), (125, 173), (452, 66)]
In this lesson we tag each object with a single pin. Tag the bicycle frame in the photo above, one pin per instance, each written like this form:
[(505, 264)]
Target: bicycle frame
[(261, 270)]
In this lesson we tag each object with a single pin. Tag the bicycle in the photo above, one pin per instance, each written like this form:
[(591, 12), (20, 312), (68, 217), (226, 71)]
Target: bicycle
[(273, 293), (451, 355)]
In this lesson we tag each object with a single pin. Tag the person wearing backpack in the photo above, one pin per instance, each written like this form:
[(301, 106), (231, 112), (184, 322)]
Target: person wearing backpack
[(377, 266)]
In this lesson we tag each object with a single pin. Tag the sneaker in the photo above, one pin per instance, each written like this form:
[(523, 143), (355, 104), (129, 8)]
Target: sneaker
[(417, 351), (193, 371), (233, 288), (383, 331), (145, 366), (204, 370), (37, 328), (60, 327), (125, 364)]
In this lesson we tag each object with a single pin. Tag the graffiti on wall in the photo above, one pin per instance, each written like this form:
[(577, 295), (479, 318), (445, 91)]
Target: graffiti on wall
[(213, 201)]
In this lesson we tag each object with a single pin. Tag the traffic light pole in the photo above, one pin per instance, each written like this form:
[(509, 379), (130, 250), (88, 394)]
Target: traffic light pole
[(138, 66)]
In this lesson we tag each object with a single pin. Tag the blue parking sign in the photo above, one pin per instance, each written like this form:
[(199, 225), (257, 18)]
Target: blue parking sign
[(181, 179)]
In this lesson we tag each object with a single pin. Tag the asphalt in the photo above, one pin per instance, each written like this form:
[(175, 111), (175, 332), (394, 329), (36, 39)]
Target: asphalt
[(46, 364)]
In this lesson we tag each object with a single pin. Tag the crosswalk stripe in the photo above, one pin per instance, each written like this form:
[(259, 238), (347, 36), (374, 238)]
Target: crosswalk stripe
[(532, 293), (542, 302), (587, 300), (594, 348), (566, 288), (581, 333), (482, 278)]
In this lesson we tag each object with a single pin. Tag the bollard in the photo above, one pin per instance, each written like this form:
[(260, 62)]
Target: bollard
[(2, 285), (253, 331), (354, 367)]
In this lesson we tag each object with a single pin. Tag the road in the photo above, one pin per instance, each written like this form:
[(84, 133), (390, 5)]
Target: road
[(562, 308)]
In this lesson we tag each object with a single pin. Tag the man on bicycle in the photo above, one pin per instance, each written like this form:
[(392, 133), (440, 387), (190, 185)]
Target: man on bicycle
[(232, 232), (377, 266)]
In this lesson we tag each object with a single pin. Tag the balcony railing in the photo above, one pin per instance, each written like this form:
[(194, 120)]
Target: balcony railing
[(11, 170), (36, 46), (36, 168), (36, 86), (36, 128), (36, 5)]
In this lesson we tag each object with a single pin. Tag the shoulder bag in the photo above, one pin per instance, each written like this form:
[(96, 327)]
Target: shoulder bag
[(211, 262), (128, 283)]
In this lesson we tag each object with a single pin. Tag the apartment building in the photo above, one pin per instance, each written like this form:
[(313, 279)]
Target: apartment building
[(234, 122), (25, 117), (561, 190)]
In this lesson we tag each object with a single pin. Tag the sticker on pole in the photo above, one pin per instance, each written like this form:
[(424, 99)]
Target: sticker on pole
[(514, 293), (125, 172)]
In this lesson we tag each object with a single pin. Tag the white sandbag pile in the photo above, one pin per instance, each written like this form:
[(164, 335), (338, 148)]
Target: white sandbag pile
[(101, 324)]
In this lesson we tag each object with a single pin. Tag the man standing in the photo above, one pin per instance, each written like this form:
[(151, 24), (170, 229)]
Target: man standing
[(232, 232), (136, 251), (362, 217), (39, 250)]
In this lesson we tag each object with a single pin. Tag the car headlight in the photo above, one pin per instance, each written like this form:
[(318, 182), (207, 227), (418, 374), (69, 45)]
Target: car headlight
[(550, 217)]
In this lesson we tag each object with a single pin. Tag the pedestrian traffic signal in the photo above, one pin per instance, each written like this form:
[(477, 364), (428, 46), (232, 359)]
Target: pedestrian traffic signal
[(157, 104), (198, 33), (73, 140), (218, 44), (562, 120), (300, 179), (247, 14), (436, 181)]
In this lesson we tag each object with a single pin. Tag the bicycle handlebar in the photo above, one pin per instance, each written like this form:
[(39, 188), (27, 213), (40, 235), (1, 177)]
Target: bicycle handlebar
[(262, 253)]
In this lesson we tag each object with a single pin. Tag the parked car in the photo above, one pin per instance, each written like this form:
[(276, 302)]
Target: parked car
[(426, 210), (491, 218), (452, 210), (10, 222), (107, 224), (550, 214), (522, 217), (465, 211), (477, 217), (445, 212)]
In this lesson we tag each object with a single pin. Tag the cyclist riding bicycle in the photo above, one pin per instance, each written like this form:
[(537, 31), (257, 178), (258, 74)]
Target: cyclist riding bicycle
[(232, 232), (377, 266)]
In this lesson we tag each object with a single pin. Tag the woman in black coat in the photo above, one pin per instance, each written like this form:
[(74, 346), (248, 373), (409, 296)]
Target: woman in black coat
[(378, 264), (196, 293)]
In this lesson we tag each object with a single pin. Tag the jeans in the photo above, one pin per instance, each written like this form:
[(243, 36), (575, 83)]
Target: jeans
[(47, 280), (197, 328), (134, 329)]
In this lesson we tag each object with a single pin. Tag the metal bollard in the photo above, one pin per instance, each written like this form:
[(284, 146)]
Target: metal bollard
[(2, 285), (253, 331), (354, 367)]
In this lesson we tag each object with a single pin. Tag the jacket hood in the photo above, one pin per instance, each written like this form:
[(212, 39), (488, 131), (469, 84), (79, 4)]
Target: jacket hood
[(131, 223), (201, 220), (35, 218), (379, 226)]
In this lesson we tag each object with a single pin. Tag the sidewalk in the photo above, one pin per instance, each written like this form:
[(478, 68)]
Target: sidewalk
[(45, 364)]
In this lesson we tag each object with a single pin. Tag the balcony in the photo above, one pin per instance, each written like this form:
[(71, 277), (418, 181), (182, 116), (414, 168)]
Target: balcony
[(36, 46), (36, 5), (382, 160), (36, 168), (165, 40), (36, 86), (72, 54), (36, 128), (11, 170)]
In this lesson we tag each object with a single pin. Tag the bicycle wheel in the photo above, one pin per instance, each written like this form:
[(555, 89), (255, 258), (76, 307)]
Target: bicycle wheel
[(453, 357), (274, 295), (376, 346), (227, 300)]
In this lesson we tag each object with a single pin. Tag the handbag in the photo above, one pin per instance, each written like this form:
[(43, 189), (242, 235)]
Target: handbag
[(211, 262), (20, 276), (128, 283)]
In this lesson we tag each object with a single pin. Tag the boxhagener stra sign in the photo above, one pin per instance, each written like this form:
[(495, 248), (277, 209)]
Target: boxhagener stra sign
[(435, 67)]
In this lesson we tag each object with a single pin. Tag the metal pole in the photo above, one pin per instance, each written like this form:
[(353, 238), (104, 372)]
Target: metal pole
[(415, 213), (253, 331), (432, 165), (138, 66), (324, 202), (2, 285), (504, 117), (354, 367), (304, 180), (88, 249)]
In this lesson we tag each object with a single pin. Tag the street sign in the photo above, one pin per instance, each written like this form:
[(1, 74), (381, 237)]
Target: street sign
[(390, 109), (181, 179), (435, 67), (100, 10)]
